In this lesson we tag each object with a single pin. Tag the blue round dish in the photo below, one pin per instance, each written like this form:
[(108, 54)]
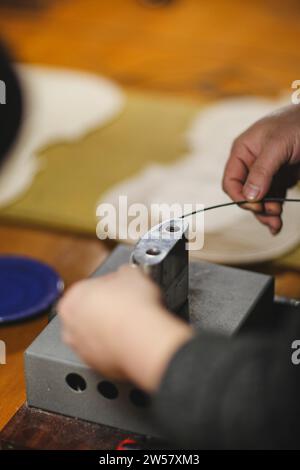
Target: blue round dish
[(27, 288)]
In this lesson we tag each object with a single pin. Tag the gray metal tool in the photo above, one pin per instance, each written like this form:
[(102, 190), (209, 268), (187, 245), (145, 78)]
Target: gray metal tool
[(219, 299), (162, 254)]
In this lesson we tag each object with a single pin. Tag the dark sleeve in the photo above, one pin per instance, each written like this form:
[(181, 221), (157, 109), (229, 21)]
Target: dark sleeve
[(221, 393)]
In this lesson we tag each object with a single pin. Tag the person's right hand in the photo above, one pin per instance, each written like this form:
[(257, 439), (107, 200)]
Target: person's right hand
[(118, 324), (265, 162)]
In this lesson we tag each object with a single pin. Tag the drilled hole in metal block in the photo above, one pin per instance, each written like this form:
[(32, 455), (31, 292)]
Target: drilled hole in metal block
[(139, 398), (153, 251), (76, 382), (173, 228), (108, 390)]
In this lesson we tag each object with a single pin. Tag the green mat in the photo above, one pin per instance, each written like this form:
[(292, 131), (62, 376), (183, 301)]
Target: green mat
[(75, 175), (65, 193)]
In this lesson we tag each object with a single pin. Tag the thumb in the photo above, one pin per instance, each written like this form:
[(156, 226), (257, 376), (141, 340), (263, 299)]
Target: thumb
[(262, 172)]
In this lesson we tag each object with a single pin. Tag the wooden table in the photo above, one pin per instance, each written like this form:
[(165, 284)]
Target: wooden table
[(188, 47)]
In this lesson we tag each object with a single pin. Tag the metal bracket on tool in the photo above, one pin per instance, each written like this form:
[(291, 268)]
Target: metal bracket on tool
[(163, 255)]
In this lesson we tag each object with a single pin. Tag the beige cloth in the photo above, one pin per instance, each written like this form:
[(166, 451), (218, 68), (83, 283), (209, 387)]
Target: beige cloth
[(60, 105), (231, 234)]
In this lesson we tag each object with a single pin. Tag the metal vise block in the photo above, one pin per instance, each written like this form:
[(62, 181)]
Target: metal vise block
[(221, 299), (162, 254)]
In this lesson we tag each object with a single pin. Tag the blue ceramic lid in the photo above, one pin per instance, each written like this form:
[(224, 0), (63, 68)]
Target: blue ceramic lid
[(27, 288)]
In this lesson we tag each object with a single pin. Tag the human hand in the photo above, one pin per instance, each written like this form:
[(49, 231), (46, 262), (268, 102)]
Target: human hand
[(119, 326), (265, 162)]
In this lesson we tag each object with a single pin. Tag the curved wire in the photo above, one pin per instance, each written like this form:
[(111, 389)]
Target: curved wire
[(238, 203)]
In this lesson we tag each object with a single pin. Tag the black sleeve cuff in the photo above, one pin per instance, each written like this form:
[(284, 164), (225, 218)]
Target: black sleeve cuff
[(188, 392)]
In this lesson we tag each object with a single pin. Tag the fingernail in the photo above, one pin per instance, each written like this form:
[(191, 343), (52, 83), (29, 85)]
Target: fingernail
[(251, 192)]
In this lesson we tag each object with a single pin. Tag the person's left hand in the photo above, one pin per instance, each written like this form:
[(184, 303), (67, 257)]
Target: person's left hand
[(119, 326)]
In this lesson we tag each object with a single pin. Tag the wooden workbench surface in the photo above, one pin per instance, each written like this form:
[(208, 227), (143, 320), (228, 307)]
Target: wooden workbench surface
[(207, 49)]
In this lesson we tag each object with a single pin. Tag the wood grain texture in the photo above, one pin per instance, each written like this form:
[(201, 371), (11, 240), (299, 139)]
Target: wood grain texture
[(209, 49), (74, 258), (194, 47), (35, 429)]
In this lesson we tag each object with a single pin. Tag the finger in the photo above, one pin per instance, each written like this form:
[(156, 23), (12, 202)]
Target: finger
[(263, 170), (131, 270), (277, 190), (128, 268), (237, 170), (273, 208), (256, 207), (274, 223)]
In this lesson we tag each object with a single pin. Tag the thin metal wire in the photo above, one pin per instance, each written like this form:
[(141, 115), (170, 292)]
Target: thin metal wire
[(238, 203)]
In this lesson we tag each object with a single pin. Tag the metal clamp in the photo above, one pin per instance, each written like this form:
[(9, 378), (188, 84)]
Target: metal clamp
[(162, 254)]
